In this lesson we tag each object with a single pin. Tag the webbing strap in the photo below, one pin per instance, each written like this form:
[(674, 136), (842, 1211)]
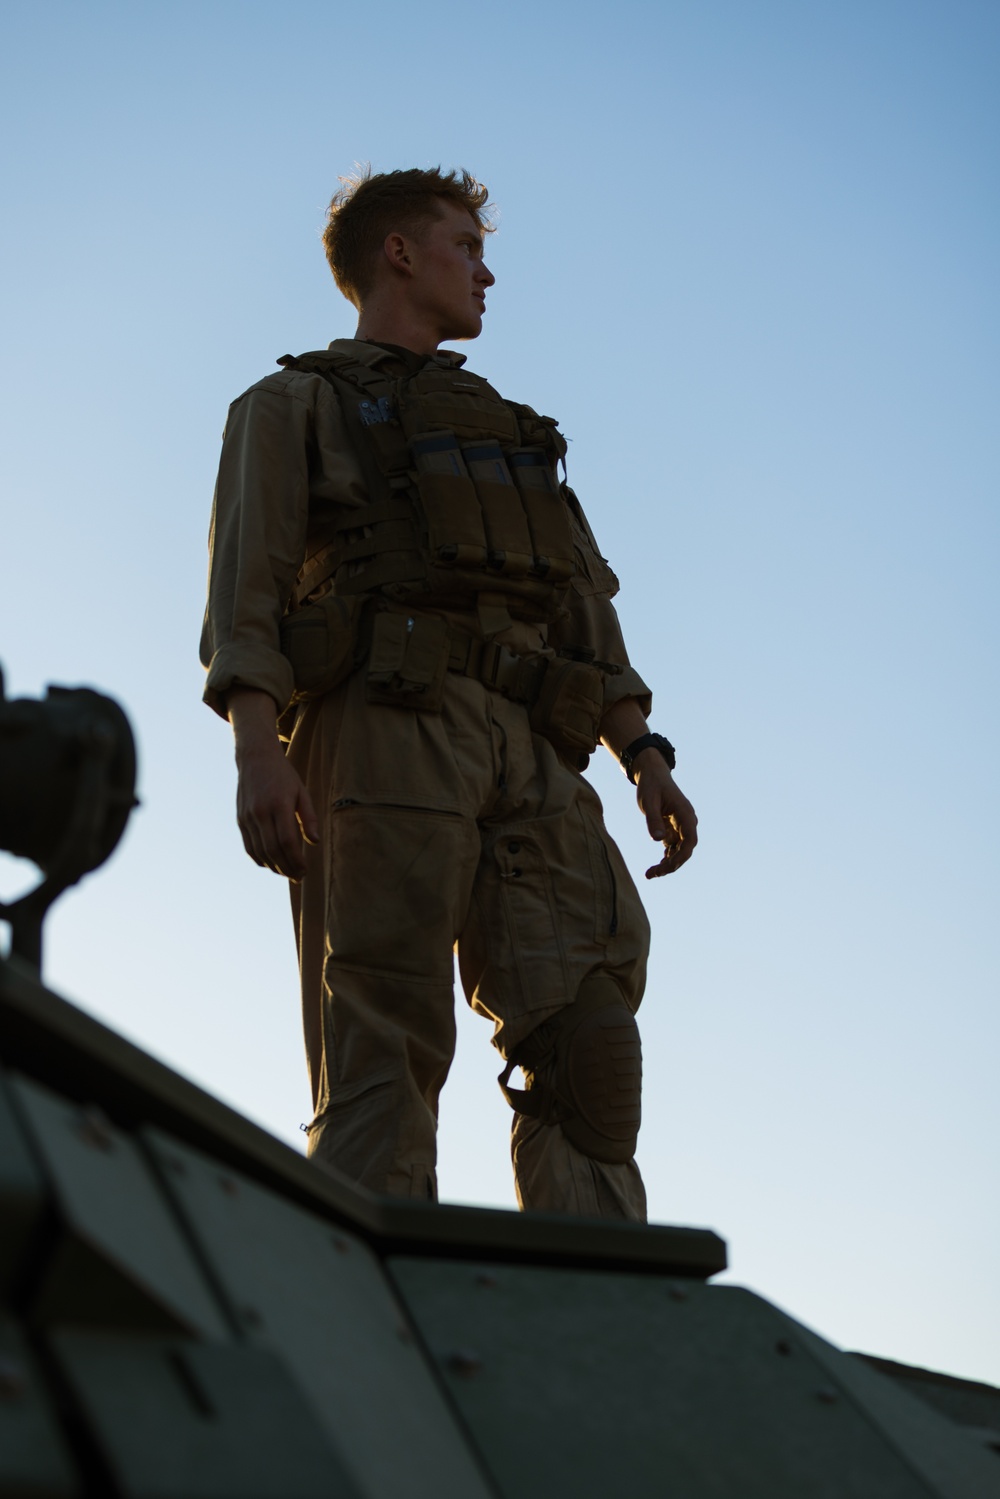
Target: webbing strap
[(321, 565), (539, 1099), (390, 567), (393, 507), (536, 1103), (542, 1100), (518, 678), (368, 379), (391, 536)]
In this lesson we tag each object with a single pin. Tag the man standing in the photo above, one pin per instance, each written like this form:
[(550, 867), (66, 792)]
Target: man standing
[(402, 588)]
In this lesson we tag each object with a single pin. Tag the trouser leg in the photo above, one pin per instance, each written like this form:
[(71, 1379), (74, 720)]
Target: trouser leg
[(550, 1173), (553, 908), (377, 915), (388, 1021)]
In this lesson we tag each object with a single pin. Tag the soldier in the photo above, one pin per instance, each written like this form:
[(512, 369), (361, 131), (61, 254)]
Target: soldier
[(409, 627)]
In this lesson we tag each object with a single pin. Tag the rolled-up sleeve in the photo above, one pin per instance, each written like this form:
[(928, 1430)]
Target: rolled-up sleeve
[(257, 541)]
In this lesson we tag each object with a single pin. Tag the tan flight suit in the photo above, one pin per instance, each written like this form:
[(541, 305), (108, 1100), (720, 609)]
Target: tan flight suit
[(459, 828)]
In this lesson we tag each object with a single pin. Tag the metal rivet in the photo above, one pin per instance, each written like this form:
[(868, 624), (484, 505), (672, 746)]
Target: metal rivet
[(464, 1362), (12, 1380), (827, 1396), (783, 1346)]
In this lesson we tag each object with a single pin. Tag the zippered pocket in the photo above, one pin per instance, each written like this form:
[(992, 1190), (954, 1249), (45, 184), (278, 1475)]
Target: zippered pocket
[(605, 882), (613, 922)]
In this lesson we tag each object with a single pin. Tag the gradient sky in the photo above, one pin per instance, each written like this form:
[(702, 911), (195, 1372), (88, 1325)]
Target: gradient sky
[(748, 256)]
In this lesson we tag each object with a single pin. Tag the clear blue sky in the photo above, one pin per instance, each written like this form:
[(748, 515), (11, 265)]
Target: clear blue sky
[(748, 255)]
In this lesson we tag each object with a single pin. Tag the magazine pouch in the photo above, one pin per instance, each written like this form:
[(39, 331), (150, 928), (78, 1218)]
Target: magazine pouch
[(455, 535), (408, 661)]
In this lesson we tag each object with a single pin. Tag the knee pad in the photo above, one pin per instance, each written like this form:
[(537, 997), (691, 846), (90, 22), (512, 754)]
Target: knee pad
[(583, 1069)]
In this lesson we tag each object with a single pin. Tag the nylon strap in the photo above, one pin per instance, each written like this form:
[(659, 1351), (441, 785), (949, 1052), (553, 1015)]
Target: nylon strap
[(321, 565), (518, 678), (394, 507), (393, 536), (387, 567), (363, 375), (542, 1100)]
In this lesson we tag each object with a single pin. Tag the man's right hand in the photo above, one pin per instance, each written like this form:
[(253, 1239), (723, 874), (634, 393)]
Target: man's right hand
[(273, 808)]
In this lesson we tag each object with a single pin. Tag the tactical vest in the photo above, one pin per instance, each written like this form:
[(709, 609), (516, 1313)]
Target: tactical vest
[(465, 506)]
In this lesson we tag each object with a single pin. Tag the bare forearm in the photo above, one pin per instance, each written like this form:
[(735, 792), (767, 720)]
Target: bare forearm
[(623, 723), (669, 815), (254, 717)]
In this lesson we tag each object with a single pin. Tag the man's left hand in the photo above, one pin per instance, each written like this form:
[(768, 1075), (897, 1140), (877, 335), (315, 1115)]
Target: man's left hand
[(669, 815)]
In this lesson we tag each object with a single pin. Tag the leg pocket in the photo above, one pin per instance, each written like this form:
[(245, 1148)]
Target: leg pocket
[(398, 889), (513, 943)]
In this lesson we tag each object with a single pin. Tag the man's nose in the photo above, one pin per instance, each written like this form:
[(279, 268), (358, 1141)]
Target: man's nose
[(486, 275)]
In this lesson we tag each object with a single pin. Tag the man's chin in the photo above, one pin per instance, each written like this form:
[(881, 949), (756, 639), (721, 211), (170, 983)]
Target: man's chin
[(462, 332)]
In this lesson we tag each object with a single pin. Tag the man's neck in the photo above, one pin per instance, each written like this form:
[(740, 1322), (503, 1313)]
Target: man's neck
[(393, 326)]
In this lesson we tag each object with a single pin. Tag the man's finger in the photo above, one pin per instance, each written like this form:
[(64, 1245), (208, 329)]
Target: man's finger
[(286, 846), (676, 851), (251, 843), (656, 821), (273, 842)]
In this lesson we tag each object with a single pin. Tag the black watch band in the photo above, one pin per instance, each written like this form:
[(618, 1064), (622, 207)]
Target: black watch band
[(646, 741)]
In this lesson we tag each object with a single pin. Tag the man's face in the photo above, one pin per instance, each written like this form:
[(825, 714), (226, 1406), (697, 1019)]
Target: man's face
[(450, 278)]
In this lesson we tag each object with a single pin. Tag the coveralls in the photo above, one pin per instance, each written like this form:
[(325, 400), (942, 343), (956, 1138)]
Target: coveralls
[(459, 829)]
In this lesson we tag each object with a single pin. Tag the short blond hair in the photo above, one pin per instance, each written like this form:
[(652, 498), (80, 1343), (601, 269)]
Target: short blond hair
[(371, 205)]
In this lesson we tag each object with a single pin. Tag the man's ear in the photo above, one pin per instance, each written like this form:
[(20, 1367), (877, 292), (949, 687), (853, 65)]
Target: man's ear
[(397, 252)]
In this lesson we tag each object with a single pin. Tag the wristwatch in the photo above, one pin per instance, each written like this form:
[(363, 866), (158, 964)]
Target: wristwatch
[(646, 741)]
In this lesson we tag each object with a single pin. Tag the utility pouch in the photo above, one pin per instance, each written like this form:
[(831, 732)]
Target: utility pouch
[(408, 661), (322, 643), (569, 708), (508, 540), (455, 534), (548, 518)]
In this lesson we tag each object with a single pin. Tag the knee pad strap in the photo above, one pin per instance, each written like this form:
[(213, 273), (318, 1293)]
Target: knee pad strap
[(583, 1068)]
